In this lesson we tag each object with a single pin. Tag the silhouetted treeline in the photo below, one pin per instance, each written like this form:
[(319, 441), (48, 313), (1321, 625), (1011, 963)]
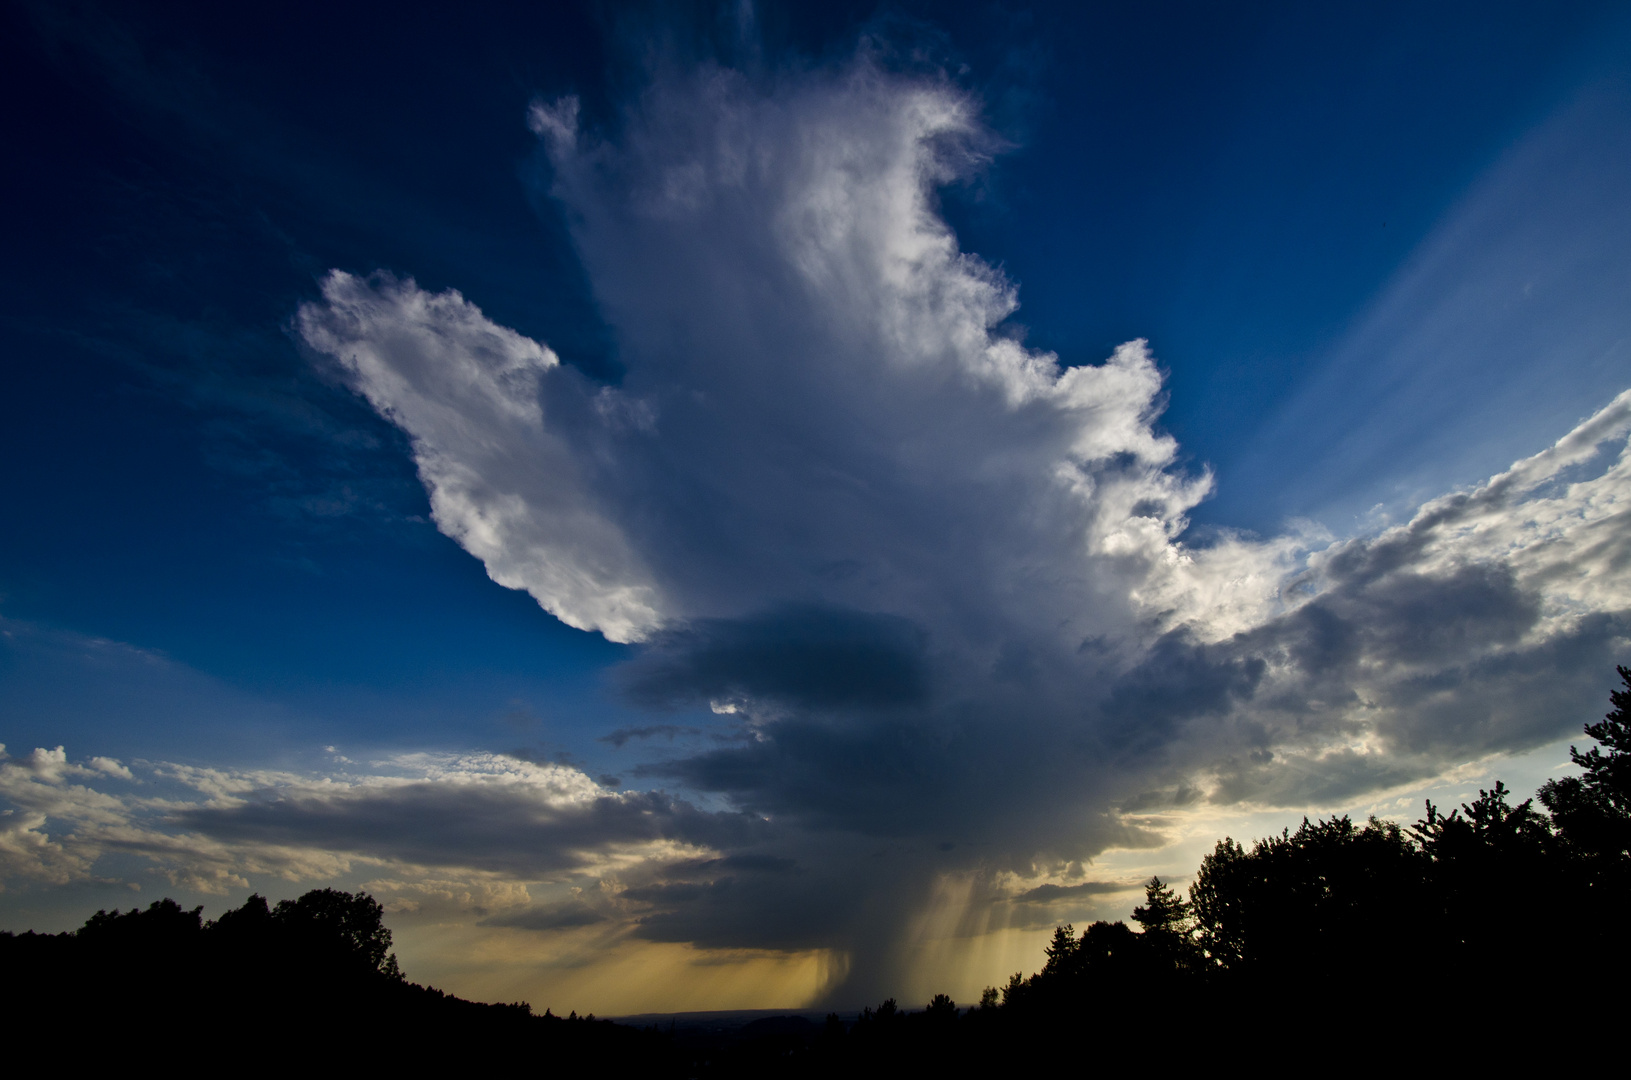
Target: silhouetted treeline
[(1469, 934), (308, 983)]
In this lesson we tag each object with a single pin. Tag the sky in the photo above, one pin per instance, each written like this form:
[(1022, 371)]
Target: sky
[(777, 506)]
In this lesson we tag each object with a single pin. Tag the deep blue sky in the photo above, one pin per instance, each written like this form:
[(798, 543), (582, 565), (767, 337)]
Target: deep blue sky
[(1241, 185)]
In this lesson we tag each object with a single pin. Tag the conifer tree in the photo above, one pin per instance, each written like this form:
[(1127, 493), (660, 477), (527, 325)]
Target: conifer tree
[(1164, 911), (1593, 810)]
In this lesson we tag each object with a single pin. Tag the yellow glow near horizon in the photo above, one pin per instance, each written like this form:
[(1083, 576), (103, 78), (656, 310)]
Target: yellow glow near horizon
[(589, 971)]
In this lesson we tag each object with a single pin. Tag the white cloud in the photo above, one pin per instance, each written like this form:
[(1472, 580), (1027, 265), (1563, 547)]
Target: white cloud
[(442, 896), (28, 854), (111, 766), (502, 481), (496, 823), (1562, 530)]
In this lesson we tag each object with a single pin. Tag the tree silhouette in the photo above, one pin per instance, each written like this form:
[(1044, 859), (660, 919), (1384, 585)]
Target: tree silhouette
[(282, 983), (1169, 926), (1060, 952), (342, 927), (1593, 810), (1327, 903), (1164, 911)]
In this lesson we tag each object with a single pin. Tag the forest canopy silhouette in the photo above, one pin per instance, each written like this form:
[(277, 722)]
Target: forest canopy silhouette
[(1527, 900)]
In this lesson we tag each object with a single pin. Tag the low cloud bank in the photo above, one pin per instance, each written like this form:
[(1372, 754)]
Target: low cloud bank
[(467, 832)]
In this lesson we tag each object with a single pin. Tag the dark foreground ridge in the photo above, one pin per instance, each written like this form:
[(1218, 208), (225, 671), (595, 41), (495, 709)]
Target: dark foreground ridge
[(1491, 928)]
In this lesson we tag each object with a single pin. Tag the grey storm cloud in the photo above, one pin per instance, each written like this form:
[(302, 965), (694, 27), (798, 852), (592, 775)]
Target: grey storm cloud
[(937, 584), (557, 917), (483, 827), (808, 656), (622, 736), (1050, 894)]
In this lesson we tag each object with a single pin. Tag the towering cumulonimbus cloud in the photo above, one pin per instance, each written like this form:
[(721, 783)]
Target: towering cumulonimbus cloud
[(940, 578), (819, 405)]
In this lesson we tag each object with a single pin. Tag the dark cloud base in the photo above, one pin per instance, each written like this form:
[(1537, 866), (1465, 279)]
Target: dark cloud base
[(801, 656)]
